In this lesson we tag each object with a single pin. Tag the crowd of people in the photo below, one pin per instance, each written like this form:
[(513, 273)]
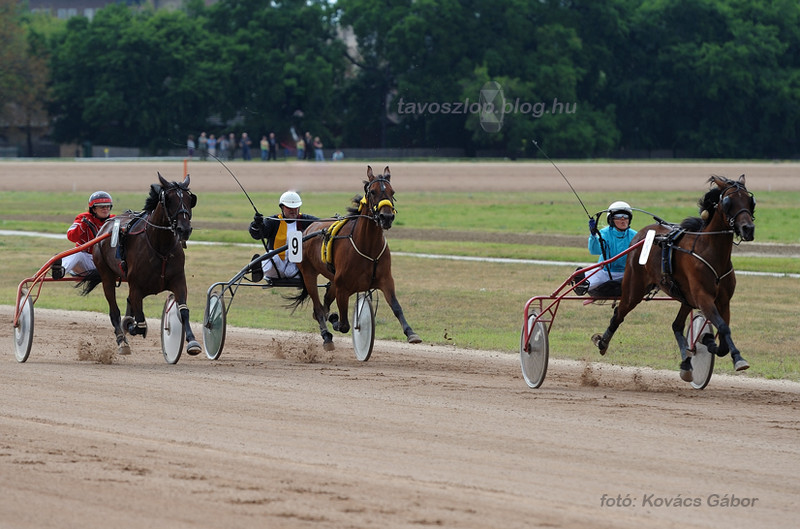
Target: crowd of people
[(227, 147)]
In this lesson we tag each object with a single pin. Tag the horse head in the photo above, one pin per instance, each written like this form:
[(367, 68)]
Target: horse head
[(736, 206), (379, 197), (177, 202)]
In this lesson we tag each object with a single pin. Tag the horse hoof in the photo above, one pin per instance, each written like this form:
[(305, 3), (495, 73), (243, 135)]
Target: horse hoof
[(333, 318), (597, 339), (129, 325), (124, 349), (413, 338), (686, 375), (193, 348), (741, 365), (328, 346)]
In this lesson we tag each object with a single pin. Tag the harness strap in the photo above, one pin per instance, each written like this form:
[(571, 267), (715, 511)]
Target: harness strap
[(702, 260), (326, 249)]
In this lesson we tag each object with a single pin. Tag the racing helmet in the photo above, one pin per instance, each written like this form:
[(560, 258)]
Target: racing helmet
[(290, 199), (100, 198), (619, 208)]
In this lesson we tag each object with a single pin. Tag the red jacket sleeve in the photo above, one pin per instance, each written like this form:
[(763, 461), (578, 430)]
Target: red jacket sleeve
[(83, 229)]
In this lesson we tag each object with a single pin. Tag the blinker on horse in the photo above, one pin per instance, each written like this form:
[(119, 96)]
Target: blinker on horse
[(693, 267), (152, 243), (354, 255)]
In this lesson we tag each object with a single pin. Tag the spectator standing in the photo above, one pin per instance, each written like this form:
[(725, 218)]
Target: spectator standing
[(190, 145), (319, 154), (301, 149), (273, 147), (245, 144), (231, 146), (202, 144), (264, 145), (212, 146), (309, 142), (222, 145)]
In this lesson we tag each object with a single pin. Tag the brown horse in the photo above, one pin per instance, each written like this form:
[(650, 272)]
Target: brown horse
[(359, 261), (153, 259), (694, 266)]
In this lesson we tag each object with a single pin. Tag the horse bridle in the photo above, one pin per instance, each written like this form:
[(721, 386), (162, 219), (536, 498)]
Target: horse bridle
[(173, 219), (725, 204), (384, 202)]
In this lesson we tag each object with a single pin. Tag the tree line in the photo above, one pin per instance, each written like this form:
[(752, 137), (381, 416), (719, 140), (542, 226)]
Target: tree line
[(693, 78)]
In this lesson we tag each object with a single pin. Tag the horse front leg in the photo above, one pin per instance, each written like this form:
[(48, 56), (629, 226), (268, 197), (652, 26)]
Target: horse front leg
[(678, 329), (114, 315), (342, 324), (726, 344), (193, 347), (411, 336)]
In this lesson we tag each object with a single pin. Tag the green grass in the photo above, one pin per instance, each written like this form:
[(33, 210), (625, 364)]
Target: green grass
[(466, 304), (777, 214)]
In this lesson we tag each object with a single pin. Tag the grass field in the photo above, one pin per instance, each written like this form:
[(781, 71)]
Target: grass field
[(466, 304)]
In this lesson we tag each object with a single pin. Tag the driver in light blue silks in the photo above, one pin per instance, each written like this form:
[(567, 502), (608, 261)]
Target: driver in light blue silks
[(610, 241)]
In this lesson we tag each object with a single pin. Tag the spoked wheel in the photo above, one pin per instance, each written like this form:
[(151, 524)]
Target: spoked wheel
[(363, 327), (172, 332), (534, 360), (214, 326), (23, 333), (702, 360)]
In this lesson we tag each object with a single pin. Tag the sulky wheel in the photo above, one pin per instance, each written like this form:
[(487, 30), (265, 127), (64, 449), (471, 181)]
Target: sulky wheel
[(23, 332), (214, 326), (534, 360), (702, 360), (172, 331), (363, 327)]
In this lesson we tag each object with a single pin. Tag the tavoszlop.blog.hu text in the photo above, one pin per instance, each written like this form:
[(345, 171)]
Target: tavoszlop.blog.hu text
[(516, 106)]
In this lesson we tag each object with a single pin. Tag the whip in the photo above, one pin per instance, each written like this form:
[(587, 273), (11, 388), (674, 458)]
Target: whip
[(562, 176), (243, 191), (602, 242)]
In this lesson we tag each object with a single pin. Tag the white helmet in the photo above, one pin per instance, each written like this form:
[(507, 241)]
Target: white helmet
[(619, 208), (290, 199)]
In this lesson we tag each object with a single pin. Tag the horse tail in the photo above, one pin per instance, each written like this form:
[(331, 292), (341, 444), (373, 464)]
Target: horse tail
[(89, 281), (298, 300)]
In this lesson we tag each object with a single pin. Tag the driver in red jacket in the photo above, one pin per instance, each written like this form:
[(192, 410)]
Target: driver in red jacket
[(84, 228)]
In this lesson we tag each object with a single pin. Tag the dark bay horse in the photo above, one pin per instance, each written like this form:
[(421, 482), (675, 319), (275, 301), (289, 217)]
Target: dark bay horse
[(153, 259), (693, 266), (359, 258)]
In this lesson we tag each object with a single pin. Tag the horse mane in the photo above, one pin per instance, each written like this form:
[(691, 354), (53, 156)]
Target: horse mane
[(152, 200), (692, 224), (355, 208), (707, 205)]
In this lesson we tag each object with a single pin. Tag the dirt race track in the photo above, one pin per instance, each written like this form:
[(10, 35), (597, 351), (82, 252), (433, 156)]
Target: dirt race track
[(279, 433)]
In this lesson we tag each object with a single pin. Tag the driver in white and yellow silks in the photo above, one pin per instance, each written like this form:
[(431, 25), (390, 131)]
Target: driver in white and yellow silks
[(277, 230)]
